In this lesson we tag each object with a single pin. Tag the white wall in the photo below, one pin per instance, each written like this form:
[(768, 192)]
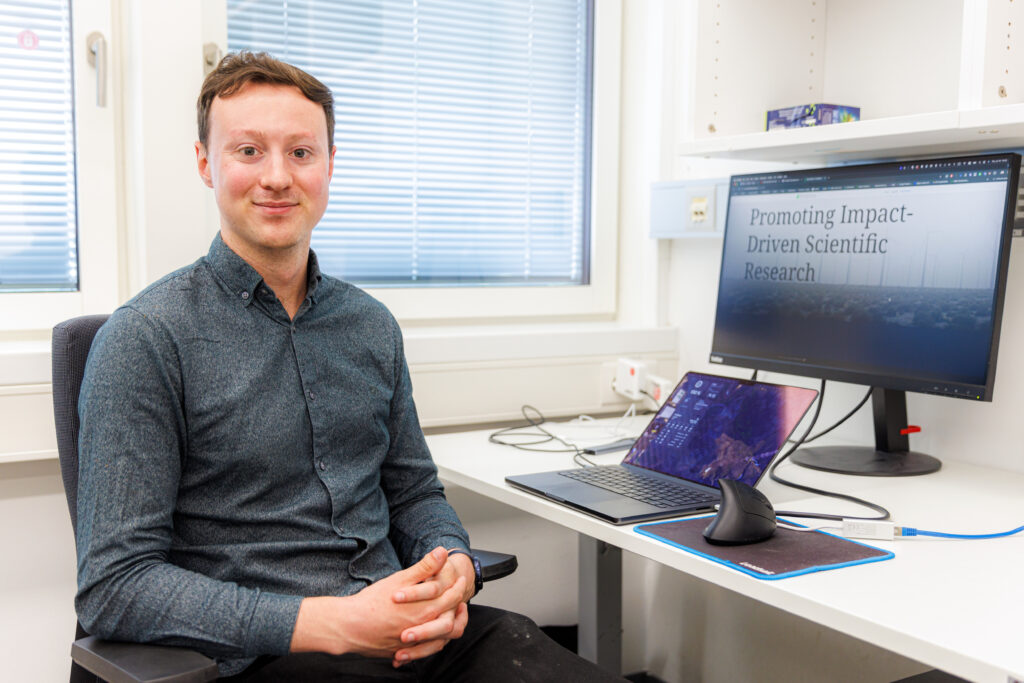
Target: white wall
[(37, 574)]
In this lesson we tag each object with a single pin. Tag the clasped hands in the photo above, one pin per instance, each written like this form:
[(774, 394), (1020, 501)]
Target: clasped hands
[(406, 616)]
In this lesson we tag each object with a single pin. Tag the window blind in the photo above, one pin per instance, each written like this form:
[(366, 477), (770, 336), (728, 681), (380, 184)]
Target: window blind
[(38, 231), (463, 134)]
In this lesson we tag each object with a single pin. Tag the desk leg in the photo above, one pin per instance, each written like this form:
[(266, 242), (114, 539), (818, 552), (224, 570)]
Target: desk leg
[(600, 603)]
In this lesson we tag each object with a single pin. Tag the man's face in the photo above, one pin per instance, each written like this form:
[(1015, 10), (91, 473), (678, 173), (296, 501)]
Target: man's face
[(269, 163)]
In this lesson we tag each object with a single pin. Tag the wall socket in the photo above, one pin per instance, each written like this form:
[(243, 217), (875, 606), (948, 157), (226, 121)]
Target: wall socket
[(687, 207), (619, 392), (630, 378), (699, 210), (658, 388)]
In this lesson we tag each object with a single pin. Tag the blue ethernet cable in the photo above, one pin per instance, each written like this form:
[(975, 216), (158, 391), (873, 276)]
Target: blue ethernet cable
[(910, 531), (887, 531)]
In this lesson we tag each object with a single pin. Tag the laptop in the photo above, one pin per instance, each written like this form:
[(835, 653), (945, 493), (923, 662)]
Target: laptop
[(709, 428)]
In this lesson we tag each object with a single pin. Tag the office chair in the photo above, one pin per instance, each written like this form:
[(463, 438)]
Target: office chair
[(94, 659)]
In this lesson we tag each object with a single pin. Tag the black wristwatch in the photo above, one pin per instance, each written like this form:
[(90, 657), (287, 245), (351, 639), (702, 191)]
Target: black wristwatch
[(478, 577)]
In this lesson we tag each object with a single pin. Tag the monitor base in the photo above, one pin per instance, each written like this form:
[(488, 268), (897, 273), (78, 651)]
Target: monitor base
[(866, 461)]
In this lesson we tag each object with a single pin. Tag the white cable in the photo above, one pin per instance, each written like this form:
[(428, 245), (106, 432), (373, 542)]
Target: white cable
[(796, 527), (588, 423)]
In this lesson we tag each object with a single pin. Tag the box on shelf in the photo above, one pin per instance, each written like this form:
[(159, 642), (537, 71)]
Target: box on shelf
[(810, 115)]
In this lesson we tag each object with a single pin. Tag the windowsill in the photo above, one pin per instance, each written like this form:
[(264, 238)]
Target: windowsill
[(524, 342), (28, 362), (27, 456), (24, 362)]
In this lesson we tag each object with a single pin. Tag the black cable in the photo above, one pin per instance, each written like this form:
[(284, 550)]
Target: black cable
[(838, 423), (841, 420), (810, 489), (543, 437), (582, 460)]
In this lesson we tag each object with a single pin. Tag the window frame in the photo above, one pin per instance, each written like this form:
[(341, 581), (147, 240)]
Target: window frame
[(96, 182), (595, 300)]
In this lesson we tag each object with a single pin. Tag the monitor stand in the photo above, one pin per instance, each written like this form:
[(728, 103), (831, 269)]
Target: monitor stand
[(891, 456)]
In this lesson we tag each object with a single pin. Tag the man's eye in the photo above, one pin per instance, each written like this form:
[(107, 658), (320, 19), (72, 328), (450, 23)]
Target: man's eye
[(249, 151), (302, 153)]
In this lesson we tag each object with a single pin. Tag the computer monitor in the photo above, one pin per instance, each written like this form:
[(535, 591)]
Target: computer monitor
[(890, 275)]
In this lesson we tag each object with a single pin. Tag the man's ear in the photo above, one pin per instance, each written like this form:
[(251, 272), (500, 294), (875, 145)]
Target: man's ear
[(203, 163), (330, 166)]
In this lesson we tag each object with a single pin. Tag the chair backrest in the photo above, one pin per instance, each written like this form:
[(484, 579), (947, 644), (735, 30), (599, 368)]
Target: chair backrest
[(69, 351)]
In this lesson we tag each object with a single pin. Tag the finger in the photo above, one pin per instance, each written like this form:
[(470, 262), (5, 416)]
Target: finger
[(441, 627), (452, 597), (448, 573), (418, 651), (461, 620), (431, 563), (428, 590)]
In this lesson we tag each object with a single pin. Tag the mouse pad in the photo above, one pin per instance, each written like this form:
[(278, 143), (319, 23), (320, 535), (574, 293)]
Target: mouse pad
[(786, 553)]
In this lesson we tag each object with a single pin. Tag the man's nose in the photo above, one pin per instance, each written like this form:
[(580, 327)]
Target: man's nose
[(275, 172)]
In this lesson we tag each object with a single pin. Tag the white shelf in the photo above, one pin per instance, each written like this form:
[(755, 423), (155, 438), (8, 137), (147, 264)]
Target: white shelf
[(936, 133)]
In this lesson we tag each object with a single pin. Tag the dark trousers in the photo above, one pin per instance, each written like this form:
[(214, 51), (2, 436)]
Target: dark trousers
[(496, 647)]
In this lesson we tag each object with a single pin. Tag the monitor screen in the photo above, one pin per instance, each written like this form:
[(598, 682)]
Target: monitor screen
[(889, 275)]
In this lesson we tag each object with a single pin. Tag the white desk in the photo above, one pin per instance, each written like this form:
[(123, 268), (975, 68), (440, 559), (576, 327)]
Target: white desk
[(953, 605)]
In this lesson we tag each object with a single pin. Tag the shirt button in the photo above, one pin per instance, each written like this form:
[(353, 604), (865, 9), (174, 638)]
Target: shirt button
[(323, 465), (245, 295)]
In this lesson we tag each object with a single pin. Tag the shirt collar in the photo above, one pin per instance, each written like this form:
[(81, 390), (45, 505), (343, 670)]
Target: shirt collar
[(243, 280)]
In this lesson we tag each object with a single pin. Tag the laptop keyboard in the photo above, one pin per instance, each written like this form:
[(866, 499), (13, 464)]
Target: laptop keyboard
[(652, 490)]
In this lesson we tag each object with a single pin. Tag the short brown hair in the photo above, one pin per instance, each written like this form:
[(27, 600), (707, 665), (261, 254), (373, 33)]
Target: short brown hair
[(238, 69)]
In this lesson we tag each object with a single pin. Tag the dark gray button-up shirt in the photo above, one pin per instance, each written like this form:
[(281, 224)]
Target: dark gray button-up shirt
[(234, 461)]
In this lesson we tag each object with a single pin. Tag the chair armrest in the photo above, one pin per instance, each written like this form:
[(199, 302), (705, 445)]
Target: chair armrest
[(495, 565), (136, 662)]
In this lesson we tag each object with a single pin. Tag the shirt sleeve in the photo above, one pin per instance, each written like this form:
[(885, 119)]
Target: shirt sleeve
[(131, 446), (421, 517)]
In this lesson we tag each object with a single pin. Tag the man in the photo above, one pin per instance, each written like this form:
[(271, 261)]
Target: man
[(254, 482)]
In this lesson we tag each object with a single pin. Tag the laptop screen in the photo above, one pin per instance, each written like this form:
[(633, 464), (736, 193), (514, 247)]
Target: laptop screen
[(713, 428)]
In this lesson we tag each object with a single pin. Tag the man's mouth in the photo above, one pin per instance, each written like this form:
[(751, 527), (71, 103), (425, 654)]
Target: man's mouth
[(276, 206)]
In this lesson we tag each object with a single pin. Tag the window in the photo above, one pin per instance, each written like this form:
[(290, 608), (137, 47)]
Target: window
[(462, 134), (38, 241), (58, 211)]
